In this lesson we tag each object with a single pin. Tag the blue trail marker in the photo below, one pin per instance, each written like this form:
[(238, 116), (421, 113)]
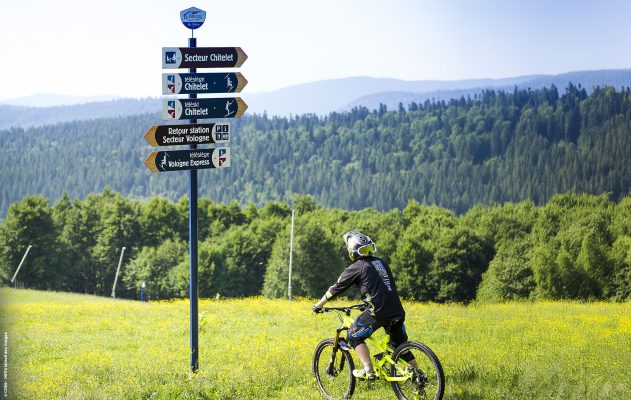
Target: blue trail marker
[(193, 17)]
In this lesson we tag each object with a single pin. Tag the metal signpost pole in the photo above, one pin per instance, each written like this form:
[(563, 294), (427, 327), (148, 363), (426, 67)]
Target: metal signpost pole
[(192, 229)]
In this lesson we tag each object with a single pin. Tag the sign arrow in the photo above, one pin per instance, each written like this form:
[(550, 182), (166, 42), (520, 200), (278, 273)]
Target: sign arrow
[(231, 82), (202, 57), (175, 135), (178, 160), (227, 107)]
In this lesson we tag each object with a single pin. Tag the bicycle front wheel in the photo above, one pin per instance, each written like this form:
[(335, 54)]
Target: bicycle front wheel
[(333, 371), (425, 381)]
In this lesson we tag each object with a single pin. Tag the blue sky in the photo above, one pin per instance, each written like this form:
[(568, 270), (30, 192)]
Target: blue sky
[(113, 47)]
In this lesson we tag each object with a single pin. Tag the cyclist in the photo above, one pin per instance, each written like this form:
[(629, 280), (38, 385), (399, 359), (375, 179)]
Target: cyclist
[(378, 290)]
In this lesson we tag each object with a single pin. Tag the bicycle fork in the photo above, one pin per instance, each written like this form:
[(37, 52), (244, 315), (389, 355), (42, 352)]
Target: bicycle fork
[(338, 343)]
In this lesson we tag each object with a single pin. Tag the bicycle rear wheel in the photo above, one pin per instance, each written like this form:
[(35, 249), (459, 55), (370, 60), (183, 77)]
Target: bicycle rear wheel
[(426, 382), (333, 371)]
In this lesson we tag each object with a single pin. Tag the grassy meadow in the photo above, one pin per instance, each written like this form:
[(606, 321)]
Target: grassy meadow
[(71, 346)]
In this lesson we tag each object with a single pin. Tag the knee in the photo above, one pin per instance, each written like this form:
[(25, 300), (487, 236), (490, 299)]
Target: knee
[(358, 336), (398, 337), (354, 342)]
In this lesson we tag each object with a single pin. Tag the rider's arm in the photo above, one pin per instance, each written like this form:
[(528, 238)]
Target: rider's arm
[(321, 303), (348, 277), (345, 280)]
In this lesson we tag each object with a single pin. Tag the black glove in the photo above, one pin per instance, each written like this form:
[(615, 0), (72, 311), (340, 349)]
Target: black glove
[(316, 309)]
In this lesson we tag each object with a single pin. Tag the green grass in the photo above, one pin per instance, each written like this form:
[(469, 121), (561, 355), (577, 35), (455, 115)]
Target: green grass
[(70, 346)]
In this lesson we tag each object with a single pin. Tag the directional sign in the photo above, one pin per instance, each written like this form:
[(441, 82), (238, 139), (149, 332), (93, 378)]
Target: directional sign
[(178, 160), (175, 135), (202, 57), (231, 107), (202, 83)]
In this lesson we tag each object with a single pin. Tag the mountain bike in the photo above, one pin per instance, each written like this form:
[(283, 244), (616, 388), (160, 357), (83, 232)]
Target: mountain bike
[(333, 364)]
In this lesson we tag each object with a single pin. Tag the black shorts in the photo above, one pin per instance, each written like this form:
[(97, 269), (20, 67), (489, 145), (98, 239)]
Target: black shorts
[(366, 324)]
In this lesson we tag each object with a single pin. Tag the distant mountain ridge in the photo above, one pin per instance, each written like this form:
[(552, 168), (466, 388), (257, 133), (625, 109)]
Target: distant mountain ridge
[(617, 78), (26, 117), (321, 97), (54, 100)]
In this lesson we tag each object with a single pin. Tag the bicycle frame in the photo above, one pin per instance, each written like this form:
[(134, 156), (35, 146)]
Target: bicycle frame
[(380, 360)]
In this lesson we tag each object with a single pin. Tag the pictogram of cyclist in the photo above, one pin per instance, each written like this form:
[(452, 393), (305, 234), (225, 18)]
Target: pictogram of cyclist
[(163, 163)]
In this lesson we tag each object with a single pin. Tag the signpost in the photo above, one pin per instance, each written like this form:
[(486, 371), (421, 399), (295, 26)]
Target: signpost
[(203, 83), (193, 134), (228, 107), (175, 135)]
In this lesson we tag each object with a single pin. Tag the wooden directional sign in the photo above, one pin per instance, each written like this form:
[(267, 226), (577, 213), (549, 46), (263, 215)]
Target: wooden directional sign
[(231, 107), (202, 57), (202, 83), (178, 160), (175, 135)]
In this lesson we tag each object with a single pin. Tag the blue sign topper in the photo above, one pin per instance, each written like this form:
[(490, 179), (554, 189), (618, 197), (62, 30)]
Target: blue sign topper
[(193, 17)]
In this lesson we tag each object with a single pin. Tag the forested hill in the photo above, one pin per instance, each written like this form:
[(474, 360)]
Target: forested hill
[(495, 147), (26, 117)]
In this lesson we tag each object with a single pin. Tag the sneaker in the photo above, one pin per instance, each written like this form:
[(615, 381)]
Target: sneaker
[(362, 374)]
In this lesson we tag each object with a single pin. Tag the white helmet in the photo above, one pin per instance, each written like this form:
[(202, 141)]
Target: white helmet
[(358, 245)]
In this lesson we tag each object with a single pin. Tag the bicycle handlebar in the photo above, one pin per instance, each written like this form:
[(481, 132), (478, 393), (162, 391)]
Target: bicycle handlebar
[(346, 309)]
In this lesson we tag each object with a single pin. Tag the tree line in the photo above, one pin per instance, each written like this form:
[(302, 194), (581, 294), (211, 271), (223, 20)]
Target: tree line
[(494, 147), (576, 246)]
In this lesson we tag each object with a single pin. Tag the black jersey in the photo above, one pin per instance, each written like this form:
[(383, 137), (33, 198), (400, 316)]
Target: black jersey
[(376, 284)]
